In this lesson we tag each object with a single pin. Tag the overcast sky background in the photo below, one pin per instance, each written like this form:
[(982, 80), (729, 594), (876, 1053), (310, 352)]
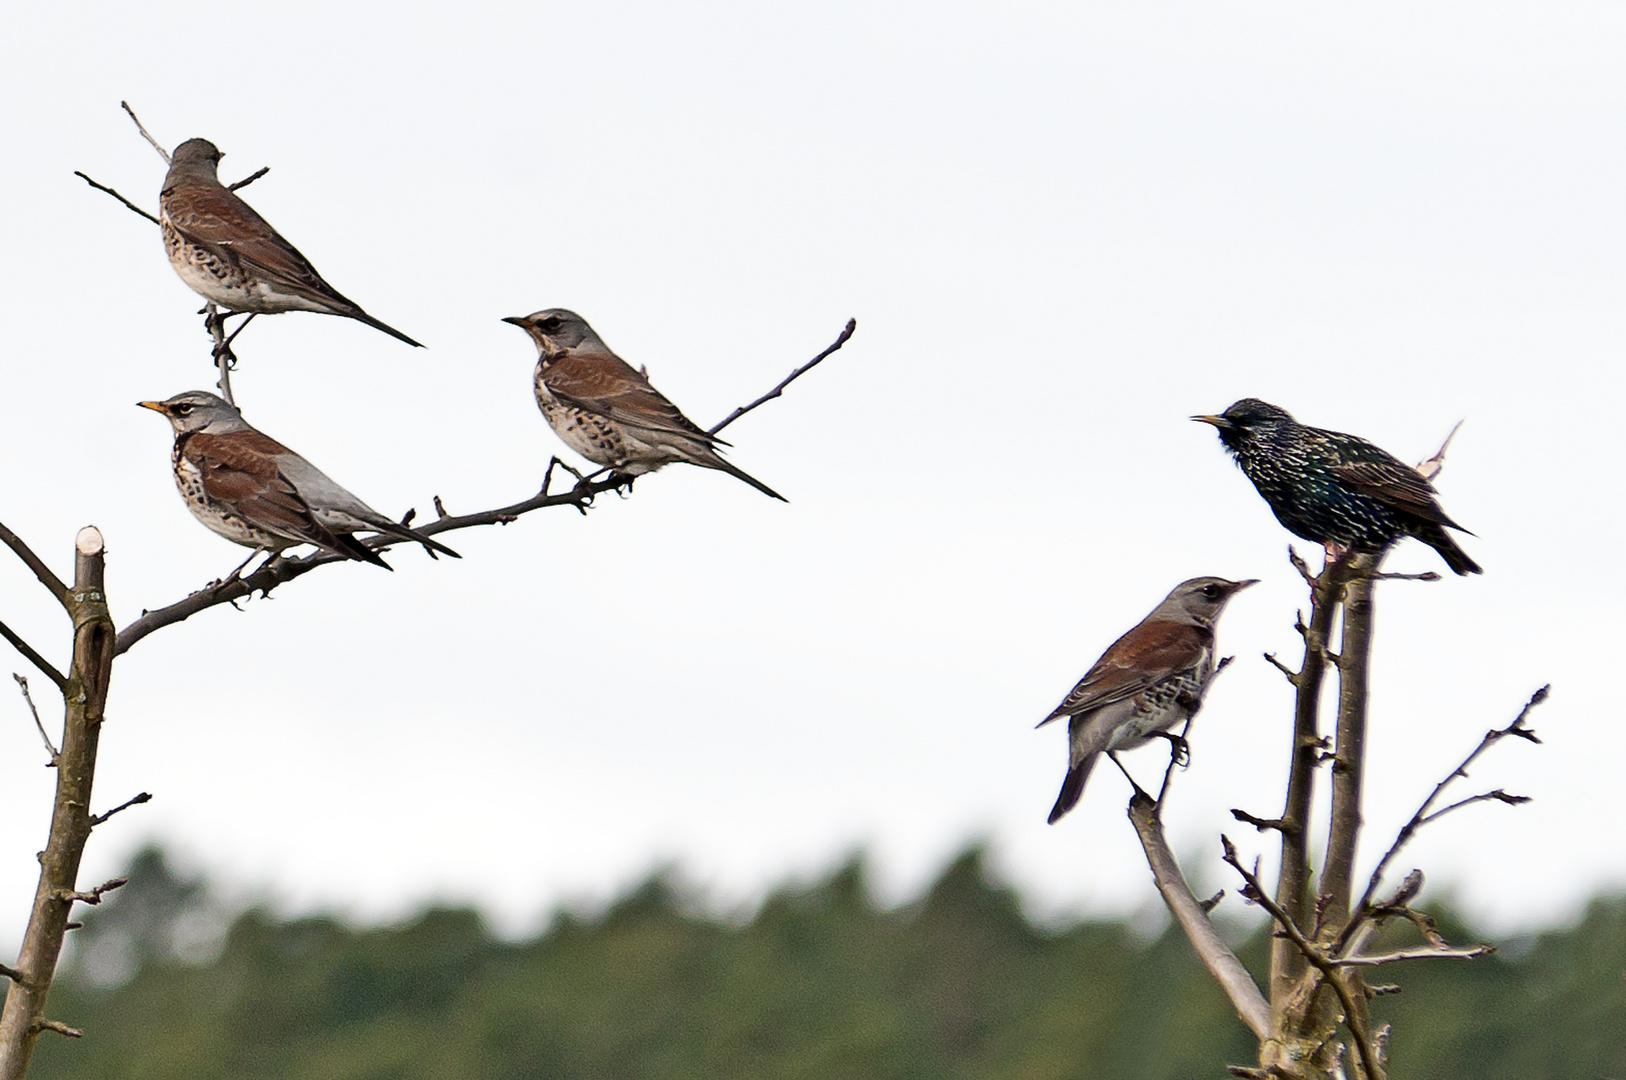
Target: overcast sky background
[(1063, 229)]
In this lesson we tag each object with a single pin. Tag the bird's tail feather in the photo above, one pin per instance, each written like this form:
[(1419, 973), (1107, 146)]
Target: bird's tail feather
[(355, 549), (361, 316), (1072, 787), (717, 462), (401, 532), (1454, 556)]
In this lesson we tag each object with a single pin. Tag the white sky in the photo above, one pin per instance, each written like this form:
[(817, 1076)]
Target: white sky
[(1063, 229)]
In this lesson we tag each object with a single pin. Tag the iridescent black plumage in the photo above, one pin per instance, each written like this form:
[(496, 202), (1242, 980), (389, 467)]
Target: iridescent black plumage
[(1335, 488)]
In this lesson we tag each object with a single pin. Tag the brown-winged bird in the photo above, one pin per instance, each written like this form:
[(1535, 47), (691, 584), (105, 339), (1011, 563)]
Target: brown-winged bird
[(606, 410), (249, 488), (230, 255), (1149, 681)]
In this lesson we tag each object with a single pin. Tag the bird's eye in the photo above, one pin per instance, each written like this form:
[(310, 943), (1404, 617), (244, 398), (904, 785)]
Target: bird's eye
[(551, 323), (182, 410), (1211, 591)]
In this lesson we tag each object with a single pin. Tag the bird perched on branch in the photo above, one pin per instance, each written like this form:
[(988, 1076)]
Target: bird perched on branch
[(606, 410), (229, 255), (1335, 489), (1149, 681), (254, 491)]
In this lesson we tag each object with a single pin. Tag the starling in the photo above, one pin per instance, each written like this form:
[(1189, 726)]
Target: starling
[(1335, 489), (1151, 679)]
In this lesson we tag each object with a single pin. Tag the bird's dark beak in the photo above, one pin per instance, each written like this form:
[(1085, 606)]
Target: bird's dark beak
[(1218, 421), (518, 320), (155, 406), (1238, 586)]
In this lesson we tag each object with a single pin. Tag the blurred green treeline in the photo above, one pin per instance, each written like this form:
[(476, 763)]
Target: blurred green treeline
[(819, 985)]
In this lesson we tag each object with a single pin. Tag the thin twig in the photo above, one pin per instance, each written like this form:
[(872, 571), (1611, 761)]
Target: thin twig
[(852, 324), (22, 684), (145, 134), (144, 797), (116, 195), (1291, 675), (59, 1027), (1423, 815), (52, 583), (1195, 706), (1416, 954), (250, 178), (281, 570), (33, 656), (9, 972), (1431, 467), (94, 896)]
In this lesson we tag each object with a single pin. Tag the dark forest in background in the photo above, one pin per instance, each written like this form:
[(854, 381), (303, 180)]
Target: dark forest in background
[(819, 983)]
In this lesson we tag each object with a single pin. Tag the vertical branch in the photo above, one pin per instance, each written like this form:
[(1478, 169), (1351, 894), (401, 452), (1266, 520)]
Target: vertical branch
[(1349, 762), (1287, 963), (85, 697)]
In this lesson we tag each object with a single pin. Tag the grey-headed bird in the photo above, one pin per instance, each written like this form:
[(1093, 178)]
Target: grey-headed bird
[(1149, 681), (230, 255), (254, 491), (606, 410)]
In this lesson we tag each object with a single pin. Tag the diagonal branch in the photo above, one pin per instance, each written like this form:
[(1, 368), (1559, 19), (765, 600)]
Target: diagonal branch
[(852, 324), (33, 656), (116, 195), (1192, 916), (52, 583), (1364, 909), (145, 134), (22, 684)]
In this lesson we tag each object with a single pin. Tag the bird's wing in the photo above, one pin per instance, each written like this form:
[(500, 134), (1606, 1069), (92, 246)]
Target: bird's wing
[(242, 471), (1145, 656), (215, 218), (605, 384), (1394, 484)]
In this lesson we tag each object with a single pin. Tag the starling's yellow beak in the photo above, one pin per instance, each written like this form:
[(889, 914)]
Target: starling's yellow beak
[(1218, 421), (155, 406)]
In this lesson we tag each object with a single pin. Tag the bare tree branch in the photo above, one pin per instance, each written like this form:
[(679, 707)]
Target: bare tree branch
[(1188, 911), (116, 195), (144, 797), (94, 896), (1422, 816), (33, 655), (852, 324), (250, 178), (52, 583), (22, 684), (145, 134), (1416, 954)]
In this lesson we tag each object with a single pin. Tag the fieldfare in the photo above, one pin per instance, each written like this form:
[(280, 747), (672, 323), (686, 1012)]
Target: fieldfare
[(1335, 489), (254, 491), (1149, 681), (605, 409), (230, 255)]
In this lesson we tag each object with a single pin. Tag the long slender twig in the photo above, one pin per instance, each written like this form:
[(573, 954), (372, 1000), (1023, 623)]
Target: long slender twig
[(852, 324), (116, 195), (250, 178), (52, 583), (145, 134), (279, 571), (1424, 815), (1416, 954), (144, 797), (1195, 706), (22, 684), (33, 656)]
